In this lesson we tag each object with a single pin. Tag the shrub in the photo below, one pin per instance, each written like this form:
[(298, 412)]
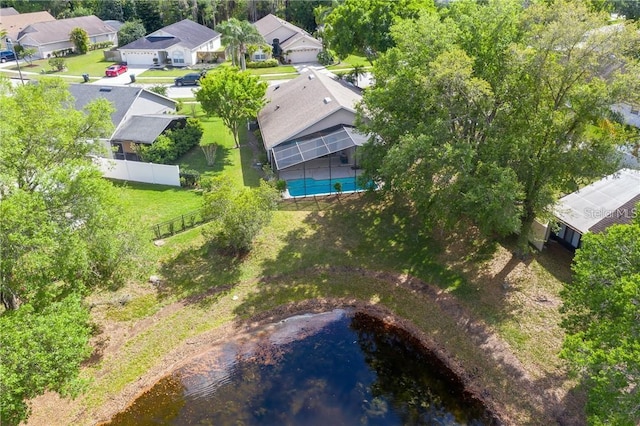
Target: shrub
[(172, 144), (159, 89), (325, 58), (269, 63), (281, 185), (57, 64), (100, 45), (189, 178)]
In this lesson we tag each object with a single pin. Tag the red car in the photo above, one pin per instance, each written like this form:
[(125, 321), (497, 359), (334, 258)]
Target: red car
[(115, 70)]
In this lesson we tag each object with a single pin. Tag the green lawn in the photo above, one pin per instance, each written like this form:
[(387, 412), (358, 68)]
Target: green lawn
[(158, 203), (350, 62), (233, 162), (92, 63)]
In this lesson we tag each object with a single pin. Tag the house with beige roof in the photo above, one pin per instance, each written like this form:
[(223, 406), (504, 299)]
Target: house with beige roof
[(295, 44), (49, 37), (13, 23), (178, 44), (308, 132)]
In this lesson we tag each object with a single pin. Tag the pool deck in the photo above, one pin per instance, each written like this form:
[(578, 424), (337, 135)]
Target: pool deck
[(320, 169)]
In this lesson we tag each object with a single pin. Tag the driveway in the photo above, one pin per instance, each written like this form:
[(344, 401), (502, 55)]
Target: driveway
[(122, 79)]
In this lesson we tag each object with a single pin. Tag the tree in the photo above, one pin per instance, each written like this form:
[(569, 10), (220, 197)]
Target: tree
[(234, 96), (497, 110), (63, 233), (130, 31), (41, 350), (209, 149), (601, 312), (59, 231), (110, 10), (239, 214), (80, 40), (28, 53), (236, 36), (628, 8), (148, 11), (364, 25)]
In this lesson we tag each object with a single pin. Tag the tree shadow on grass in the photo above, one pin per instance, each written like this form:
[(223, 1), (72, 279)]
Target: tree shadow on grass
[(361, 231), (199, 275)]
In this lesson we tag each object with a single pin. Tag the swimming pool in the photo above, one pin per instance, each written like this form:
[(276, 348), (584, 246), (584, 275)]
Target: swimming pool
[(308, 186)]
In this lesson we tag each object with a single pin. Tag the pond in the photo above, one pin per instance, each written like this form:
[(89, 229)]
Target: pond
[(335, 368)]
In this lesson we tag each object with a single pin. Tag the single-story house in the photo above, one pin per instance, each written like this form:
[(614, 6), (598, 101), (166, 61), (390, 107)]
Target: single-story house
[(609, 201), (308, 132), (13, 23), (181, 44), (49, 37), (295, 44), (140, 116)]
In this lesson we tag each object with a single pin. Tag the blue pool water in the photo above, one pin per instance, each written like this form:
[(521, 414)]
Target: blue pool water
[(308, 186)]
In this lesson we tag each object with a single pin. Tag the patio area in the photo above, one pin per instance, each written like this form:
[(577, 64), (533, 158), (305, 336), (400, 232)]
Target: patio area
[(328, 167)]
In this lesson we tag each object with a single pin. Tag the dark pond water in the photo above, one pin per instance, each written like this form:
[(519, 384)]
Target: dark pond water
[(336, 368)]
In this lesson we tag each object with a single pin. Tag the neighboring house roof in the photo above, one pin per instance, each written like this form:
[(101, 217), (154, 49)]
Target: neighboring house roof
[(268, 25), (630, 113), (186, 32), (122, 98), (145, 128), (8, 11), (271, 23), (300, 103), (608, 201), (116, 25), (43, 33), (14, 24), (305, 38)]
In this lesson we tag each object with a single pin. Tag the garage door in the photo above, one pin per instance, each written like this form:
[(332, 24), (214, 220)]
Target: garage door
[(138, 59), (306, 55)]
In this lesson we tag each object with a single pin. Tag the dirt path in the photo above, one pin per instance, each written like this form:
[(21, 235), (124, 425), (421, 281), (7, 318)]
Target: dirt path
[(551, 404)]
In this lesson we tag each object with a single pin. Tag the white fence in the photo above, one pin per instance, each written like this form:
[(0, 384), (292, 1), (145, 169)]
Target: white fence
[(136, 171)]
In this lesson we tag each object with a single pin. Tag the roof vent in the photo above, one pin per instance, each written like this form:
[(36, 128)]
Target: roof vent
[(327, 100), (277, 107), (311, 76), (105, 89), (277, 87)]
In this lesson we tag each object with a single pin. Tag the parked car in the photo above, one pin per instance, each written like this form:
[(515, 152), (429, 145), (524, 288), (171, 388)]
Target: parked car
[(189, 79), (115, 70), (7, 55)]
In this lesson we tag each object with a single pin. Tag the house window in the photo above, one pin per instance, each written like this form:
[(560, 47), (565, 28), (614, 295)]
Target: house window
[(260, 57), (178, 58)]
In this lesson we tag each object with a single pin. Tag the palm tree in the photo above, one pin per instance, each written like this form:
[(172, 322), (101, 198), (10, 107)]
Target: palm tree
[(237, 35)]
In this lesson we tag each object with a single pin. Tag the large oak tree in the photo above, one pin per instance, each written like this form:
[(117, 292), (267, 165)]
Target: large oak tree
[(490, 111)]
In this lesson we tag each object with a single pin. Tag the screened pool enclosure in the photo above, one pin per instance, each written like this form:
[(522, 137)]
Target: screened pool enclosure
[(314, 165)]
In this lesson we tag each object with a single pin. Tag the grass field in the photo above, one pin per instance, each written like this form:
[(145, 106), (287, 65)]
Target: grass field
[(92, 63)]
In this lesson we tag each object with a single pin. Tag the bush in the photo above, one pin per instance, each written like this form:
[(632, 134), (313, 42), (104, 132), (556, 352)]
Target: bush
[(269, 63), (159, 89), (189, 178), (281, 185), (57, 64), (100, 45), (62, 52), (325, 58), (173, 143)]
